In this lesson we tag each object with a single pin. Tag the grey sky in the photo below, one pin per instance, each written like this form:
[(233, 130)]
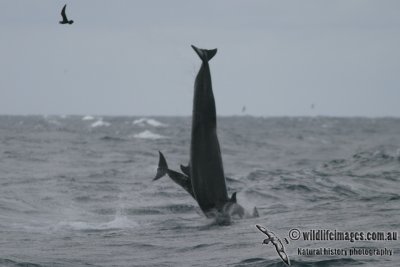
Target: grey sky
[(134, 57)]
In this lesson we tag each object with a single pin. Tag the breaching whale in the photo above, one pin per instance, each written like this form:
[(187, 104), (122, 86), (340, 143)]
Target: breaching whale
[(204, 177)]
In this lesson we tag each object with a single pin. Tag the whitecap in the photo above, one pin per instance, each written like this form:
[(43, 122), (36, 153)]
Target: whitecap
[(148, 135), (140, 122), (88, 118), (100, 123), (151, 122), (156, 123)]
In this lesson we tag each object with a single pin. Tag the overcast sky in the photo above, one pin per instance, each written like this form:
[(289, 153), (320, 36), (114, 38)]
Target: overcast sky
[(277, 58)]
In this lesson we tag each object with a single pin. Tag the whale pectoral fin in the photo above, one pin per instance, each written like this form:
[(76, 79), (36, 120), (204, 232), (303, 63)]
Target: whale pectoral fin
[(186, 170), (182, 180), (205, 54)]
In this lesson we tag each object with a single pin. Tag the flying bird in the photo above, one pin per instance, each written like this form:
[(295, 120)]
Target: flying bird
[(64, 17), (276, 242)]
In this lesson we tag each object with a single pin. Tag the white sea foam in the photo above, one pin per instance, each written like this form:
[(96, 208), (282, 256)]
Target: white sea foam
[(88, 118), (140, 122), (100, 123), (151, 122), (156, 123), (119, 222), (148, 135)]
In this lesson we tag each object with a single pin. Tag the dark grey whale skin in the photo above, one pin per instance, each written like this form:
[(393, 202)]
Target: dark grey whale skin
[(206, 168), (204, 177)]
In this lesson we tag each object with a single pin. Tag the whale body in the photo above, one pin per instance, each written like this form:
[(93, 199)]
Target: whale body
[(204, 177)]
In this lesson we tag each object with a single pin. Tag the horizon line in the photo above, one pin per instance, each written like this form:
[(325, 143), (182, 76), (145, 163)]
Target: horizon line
[(224, 115)]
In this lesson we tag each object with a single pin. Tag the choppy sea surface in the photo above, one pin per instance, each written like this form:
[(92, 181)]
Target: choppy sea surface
[(78, 191)]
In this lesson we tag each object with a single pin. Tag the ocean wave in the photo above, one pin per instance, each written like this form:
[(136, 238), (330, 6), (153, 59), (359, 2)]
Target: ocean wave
[(87, 118), (148, 135), (12, 263), (54, 122), (368, 163), (376, 157), (100, 123), (119, 222), (168, 209), (179, 208), (198, 247), (253, 262), (152, 122), (111, 138)]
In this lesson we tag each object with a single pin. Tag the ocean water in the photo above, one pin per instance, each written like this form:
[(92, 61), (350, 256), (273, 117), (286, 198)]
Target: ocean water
[(78, 191)]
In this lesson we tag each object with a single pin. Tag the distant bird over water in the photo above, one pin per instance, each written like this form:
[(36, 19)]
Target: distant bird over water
[(64, 17)]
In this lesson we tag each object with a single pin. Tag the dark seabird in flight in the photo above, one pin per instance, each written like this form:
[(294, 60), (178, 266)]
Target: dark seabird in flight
[(64, 17), (276, 242)]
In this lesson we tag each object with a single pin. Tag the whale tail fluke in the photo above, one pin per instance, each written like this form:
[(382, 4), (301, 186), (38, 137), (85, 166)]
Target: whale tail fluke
[(162, 167), (204, 54)]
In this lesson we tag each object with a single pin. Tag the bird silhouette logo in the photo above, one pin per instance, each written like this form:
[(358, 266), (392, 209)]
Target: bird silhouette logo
[(276, 242), (64, 16)]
